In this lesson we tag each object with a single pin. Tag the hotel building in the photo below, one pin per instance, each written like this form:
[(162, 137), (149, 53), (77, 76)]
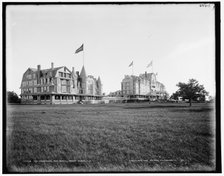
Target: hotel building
[(58, 85), (142, 86)]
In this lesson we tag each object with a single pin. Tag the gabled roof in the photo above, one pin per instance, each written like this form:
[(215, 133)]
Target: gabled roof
[(33, 69), (30, 69), (46, 71), (54, 69)]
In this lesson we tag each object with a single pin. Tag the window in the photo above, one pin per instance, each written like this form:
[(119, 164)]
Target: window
[(57, 97), (63, 89), (42, 97), (68, 89), (60, 74), (34, 97), (31, 90), (35, 90), (73, 83), (24, 84), (35, 82), (28, 76), (63, 81), (51, 88), (34, 76), (47, 97), (70, 97), (65, 75)]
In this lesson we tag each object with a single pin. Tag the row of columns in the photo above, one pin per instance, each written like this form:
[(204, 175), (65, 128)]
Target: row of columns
[(53, 100)]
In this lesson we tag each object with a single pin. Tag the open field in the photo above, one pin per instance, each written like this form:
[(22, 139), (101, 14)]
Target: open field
[(110, 137)]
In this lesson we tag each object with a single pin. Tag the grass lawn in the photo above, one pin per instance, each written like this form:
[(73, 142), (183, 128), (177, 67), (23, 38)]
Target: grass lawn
[(110, 137)]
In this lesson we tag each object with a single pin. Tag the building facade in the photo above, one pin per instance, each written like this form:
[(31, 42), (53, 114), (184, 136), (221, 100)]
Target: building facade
[(142, 86), (115, 94), (58, 85)]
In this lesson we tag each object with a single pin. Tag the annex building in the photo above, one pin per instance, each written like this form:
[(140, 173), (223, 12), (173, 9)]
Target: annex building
[(59, 85), (142, 86)]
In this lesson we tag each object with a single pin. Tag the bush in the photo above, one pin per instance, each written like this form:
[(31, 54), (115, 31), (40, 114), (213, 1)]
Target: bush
[(13, 97)]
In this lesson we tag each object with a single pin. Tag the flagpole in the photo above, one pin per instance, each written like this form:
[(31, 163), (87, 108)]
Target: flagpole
[(83, 55), (132, 69), (152, 65)]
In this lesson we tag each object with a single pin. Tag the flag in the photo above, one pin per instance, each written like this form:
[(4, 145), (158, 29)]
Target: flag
[(150, 64), (131, 64), (80, 49)]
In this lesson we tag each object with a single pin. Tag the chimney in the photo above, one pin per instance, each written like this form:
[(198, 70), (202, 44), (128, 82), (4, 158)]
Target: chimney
[(52, 65), (145, 74), (38, 74), (38, 67), (73, 70)]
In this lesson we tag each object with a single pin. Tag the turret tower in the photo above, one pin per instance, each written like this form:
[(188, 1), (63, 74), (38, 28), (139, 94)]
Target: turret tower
[(84, 79), (99, 86)]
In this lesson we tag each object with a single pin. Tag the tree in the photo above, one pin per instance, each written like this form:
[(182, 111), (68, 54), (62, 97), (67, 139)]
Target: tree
[(12, 97), (175, 95), (191, 90), (166, 96)]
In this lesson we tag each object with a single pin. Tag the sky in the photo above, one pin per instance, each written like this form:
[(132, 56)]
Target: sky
[(178, 39)]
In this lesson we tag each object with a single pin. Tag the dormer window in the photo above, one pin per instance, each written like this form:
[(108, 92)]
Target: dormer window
[(60, 74)]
